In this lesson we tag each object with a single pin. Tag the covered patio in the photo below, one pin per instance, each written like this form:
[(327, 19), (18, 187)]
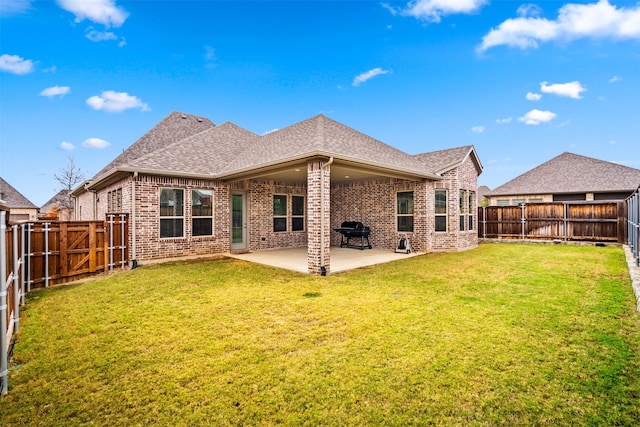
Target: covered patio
[(342, 259)]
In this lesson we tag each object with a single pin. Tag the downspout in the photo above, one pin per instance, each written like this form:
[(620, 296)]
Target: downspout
[(134, 261), (323, 268)]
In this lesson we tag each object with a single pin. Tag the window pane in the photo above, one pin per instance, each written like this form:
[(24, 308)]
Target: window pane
[(462, 201), (405, 203), (279, 205), (462, 222), (441, 223), (470, 222), (297, 205), (171, 202), (441, 201), (202, 227), (279, 224), (171, 228), (297, 224), (201, 203), (405, 223)]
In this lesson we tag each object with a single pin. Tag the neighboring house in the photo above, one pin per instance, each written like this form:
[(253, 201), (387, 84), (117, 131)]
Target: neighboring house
[(58, 208), (483, 191), (568, 177), (191, 187), (19, 207)]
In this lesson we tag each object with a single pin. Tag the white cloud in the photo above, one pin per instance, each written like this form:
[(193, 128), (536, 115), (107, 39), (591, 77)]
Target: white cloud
[(571, 90), (55, 91), (103, 12), (112, 101), (66, 146), (535, 117), (369, 75), (529, 10), (95, 143), (434, 10), (15, 64), (615, 79), (504, 121), (477, 129), (533, 96), (575, 21), (10, 7), (99, 36)]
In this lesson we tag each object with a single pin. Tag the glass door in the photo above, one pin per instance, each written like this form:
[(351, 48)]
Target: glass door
[(238, 222)]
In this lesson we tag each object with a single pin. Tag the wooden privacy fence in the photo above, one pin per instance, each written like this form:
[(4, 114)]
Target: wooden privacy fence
[(633, 227), (41, 254), (585, 221)]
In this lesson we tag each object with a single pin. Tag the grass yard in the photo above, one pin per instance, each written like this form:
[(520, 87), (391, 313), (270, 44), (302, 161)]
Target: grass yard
[(502, 335)]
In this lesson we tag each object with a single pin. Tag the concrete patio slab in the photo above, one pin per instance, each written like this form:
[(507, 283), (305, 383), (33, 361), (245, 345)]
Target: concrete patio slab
[(342, 259)]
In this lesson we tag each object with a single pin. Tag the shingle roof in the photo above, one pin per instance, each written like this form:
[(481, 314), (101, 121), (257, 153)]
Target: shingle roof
[(60, 199), (443, 160), (175, 127), (321, 135), (13, 198), (207, 152), (189, 145), (572, 173)]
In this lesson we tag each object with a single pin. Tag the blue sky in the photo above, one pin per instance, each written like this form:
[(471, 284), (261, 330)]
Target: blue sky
[(521, 81)]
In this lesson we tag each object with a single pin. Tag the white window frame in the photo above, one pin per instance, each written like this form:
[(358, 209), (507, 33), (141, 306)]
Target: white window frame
[(171, 217), (410, 214), (446, 209), (208, 192)]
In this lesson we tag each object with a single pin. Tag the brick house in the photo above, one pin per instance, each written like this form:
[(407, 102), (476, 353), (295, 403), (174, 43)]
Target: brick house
[(19, 207), (191, 187), (568, 177)]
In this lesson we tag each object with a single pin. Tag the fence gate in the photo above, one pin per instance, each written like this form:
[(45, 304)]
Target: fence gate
[(40, 254)]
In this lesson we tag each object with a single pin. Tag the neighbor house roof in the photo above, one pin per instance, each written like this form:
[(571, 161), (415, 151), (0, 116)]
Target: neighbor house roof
[(59, 200), (12, 198), (191, 146), (572, 173)]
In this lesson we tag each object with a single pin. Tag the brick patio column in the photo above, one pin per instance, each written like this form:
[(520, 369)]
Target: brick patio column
[(318, 230)]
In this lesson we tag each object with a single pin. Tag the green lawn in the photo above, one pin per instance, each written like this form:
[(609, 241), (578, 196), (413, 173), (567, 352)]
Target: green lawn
[(505, 334)]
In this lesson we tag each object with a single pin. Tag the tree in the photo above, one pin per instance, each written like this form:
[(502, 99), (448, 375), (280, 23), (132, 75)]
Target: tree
[(68, 177)]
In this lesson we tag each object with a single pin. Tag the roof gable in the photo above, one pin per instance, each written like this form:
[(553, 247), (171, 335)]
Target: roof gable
[(205, 153), (320, 135), (442, 161), (572, 173), (174, 127), (13, 198)]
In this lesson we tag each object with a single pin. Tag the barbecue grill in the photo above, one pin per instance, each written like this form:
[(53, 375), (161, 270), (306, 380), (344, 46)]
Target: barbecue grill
[(354, 229)]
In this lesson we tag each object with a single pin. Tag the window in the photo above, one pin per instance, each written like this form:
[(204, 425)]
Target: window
[(441, 210), (472, 208), (405, 211), (535, 200), (202, 212), (171, 212), (297, 213), (114, 201), (463, 210), (279, 213), (503, 203), (518, 202)]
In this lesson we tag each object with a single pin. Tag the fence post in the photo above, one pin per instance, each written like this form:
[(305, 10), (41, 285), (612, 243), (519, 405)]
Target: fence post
[(3, 304), (22, 263), (16, 279), (46, 254), (28, 258), (484, 222), (523, 219), (110, 242), (122, 241)]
